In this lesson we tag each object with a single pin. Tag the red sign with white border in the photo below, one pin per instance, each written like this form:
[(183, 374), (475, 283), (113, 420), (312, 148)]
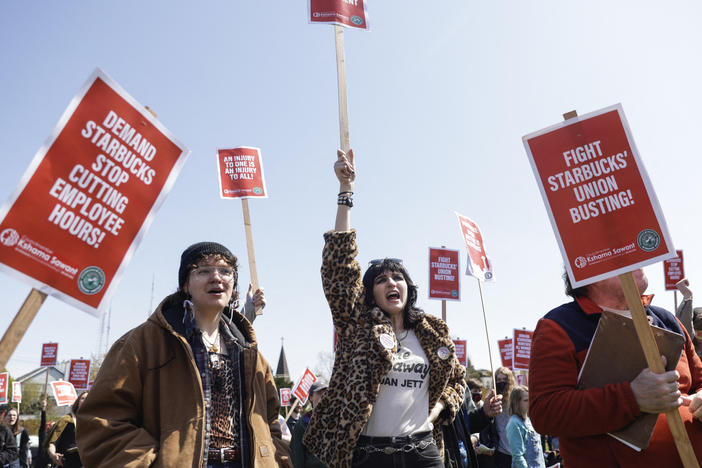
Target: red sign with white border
[(64, 392), (521, 349), (673, 271), (506, 352), (4, 387), (598, 196), (49, 352), (349, 13), (92, 190), (461, 351), (16, 392), (478, 264), (444, 282), (241, 173), (301, 390), (79, 373), (285, 396)]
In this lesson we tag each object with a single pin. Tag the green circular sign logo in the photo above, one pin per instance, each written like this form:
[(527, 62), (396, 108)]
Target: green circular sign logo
[(356, 20), (91, 280), (648, 240), (257, 190)]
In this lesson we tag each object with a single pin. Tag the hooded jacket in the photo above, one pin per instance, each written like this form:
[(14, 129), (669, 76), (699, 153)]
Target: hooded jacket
[(147, 405), (362, 361)]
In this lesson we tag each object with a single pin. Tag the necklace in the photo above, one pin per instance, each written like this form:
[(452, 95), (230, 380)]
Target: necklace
[(399, 340), (211, 345)]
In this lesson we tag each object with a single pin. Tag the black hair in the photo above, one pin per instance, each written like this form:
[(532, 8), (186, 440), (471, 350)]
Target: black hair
[(570, 290), (411, 314)]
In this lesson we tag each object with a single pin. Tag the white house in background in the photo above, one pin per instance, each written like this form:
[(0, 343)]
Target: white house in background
[(38, 376)]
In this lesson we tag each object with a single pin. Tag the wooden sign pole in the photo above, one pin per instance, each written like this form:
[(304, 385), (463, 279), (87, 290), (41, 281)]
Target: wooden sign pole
[(487, 333), (20, 324), (675, 301), (294, 405), (443, 302), (653, 355), (46, 382), (250, 248), (344, 135), (653, 359)]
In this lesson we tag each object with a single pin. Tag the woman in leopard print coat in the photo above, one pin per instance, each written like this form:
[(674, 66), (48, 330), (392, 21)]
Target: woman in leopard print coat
[(372, 413)]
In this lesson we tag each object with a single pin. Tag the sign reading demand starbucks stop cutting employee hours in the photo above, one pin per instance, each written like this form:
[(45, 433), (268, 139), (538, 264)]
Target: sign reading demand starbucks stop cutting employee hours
[(599, 198)]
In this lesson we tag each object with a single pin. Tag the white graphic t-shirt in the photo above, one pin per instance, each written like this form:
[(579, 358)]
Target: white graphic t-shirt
[(402, 407)]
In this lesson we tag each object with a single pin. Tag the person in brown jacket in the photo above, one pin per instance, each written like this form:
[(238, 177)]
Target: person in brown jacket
[(188, 388)]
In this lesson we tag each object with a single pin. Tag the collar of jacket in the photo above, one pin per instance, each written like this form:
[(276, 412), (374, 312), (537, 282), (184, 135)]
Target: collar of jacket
[(236, 326)]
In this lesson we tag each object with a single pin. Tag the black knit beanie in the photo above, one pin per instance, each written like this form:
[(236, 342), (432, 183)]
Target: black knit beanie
[(196, 252)]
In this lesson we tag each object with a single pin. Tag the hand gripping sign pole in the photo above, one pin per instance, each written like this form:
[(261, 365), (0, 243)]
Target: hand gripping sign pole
[(478, 266), (241, 176), (618, 229)]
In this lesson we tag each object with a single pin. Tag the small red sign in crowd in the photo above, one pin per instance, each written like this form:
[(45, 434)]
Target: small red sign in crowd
[(673, 271), (349, 13), (64, 392), (241, 173), (521, 349), (4, 380), (506, 352), (49, 351), (444, 283), (599, 198), (285, 396), (461, 351), (302, 388), (79, 373), (16, 392), (478, 264)]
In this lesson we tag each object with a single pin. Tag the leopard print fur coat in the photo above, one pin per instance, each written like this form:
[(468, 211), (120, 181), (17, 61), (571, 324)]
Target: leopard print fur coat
[(361, 361)]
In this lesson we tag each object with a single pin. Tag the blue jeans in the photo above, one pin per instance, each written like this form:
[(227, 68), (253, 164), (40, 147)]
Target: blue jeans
[(418, 451)]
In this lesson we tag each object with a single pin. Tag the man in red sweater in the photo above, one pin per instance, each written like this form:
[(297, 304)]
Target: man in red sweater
[(582, 418)]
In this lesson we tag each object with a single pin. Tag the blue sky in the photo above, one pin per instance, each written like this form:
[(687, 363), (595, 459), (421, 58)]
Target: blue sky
[(439, 99)]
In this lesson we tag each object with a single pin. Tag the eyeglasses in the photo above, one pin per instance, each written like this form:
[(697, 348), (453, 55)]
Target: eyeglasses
[(224, 272), (378, 261)]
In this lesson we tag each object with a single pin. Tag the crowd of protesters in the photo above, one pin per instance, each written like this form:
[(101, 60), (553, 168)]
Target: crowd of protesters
[(189, 387)]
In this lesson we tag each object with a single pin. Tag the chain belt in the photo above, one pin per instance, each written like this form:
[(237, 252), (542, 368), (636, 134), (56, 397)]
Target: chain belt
[(389, 449)]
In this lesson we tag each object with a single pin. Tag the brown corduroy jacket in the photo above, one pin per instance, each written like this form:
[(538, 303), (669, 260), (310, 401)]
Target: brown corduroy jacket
[(147, 407)]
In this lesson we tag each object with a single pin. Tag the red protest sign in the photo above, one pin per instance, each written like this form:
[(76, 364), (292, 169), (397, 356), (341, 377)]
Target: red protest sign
[(673, 271), (350, 13), (16, 392), (92, 191), (49, 351), (444, 281), (302, 388), (506, 352), (241, 173), (64, 392), (79, 373), (599, 198), (461, 351), (4, 379), (478, 264), (285, 396), (521, 349)]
